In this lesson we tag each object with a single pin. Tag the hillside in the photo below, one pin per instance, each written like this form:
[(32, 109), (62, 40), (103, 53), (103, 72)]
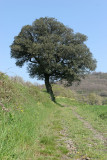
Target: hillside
[(91, 90), (95, 82), (32, 127)]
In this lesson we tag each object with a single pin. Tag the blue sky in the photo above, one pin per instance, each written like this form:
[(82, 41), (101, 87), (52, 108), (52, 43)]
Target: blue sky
[(85, 16)]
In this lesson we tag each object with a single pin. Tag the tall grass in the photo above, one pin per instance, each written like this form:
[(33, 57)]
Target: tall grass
[(31, 127)]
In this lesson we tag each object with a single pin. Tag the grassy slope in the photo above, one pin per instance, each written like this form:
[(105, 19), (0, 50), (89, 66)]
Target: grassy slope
[(33, 127)]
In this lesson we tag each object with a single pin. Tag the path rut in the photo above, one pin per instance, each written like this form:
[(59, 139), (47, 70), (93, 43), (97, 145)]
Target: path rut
[(96, 134), (68, 141)]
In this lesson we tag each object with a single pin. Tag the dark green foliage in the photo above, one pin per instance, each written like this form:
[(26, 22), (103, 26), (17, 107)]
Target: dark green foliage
[(53, 52), (103, 116)]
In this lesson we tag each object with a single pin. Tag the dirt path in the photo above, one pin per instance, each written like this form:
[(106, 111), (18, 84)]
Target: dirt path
[(96, 134), (68, 141), (69, 144)]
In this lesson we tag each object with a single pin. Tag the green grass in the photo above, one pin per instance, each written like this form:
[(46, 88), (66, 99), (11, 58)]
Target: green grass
[(32, 128), (96, 115), (22, 133), (82, 137)]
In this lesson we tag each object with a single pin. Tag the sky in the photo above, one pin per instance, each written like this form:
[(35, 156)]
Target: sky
[(88, 17)]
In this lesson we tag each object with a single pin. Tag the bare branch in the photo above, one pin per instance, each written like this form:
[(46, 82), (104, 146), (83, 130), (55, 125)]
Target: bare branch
[(32, 61)]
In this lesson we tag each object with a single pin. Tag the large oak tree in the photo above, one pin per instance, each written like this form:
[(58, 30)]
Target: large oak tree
[(53, 52)]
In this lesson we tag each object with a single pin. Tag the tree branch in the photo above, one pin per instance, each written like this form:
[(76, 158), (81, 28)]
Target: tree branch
[(32, 61)]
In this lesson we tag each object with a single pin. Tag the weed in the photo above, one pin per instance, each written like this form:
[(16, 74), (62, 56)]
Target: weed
[(47, 140)]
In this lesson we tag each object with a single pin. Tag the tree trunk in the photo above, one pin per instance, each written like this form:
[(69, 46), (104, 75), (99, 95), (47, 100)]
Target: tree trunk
[(49, 88)]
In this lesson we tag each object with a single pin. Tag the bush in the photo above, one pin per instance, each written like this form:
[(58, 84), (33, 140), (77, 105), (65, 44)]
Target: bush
[(17, 79), (103, 94), (104, 101), (60, 90), (6, 88), (94, 99)]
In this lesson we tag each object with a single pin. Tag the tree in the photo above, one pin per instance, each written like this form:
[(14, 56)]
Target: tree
[(53, 52)]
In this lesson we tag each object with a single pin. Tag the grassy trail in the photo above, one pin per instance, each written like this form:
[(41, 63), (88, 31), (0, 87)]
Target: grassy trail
[(88, 142), (48, 131), (96, 134), (32, 127), (55, 134)]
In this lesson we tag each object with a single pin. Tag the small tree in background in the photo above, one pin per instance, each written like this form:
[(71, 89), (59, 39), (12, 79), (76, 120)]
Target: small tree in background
[(53, 52)]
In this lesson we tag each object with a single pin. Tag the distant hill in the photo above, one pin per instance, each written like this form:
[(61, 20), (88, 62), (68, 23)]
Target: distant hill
[(95, 82)]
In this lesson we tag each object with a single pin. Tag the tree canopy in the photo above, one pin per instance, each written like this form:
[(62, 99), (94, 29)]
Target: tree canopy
[(53, 52)]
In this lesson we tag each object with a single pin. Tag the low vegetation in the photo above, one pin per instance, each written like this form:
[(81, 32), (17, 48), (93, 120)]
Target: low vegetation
[(91, 90), (93, 83), (33, 127)]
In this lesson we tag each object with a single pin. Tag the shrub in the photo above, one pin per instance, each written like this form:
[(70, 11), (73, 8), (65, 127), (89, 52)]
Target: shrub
[(6, 88), (103, 94), (18, 79), (104, 101), (60, 90), (94, 99)]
